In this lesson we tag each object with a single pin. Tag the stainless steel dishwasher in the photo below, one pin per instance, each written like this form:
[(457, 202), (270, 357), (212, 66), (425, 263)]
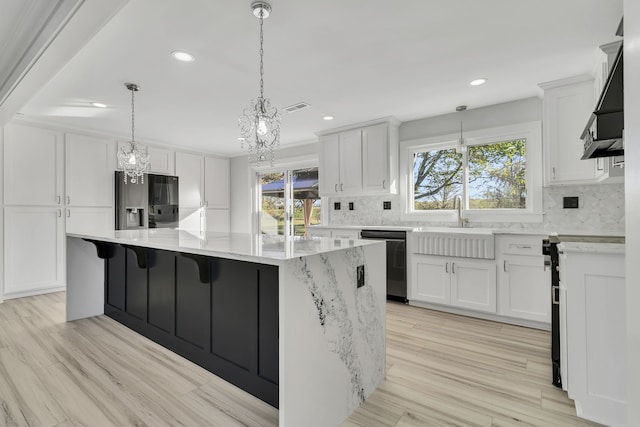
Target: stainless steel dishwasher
[(396, 260)]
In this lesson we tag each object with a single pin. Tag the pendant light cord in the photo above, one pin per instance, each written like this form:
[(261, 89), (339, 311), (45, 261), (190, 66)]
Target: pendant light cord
[(133, 112), (261, 56)]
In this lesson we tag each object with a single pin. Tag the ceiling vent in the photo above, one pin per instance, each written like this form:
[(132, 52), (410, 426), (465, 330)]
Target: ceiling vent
[(296, 107)]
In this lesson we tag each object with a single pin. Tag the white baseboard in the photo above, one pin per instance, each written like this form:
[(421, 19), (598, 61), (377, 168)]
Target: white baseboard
[(32, 292)]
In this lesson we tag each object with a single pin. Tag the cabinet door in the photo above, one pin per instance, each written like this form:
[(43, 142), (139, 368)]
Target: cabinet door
[(524, 288), (340, 233), (375, 158), (218, 220), (329, 164), (90, 163), (33, 164), (431, 279), (351, 161), (79, 220), (33, 250), (189, 168), (566, 111), (318, 232), (216, 183), (161, 161), (473, 284)]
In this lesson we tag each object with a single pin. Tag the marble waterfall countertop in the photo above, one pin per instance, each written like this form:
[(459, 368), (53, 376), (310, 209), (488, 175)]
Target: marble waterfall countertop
[(262, 248), (592, 247)]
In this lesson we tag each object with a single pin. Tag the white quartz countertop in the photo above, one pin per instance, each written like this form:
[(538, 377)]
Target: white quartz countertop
[(262, 248), (466, 230), (591, 247)]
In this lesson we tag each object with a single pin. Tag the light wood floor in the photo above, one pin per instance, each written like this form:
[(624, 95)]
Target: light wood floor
[(442, 370)]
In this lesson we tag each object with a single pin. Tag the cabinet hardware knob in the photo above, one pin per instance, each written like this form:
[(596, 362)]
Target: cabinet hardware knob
[(68, 200), (446, 267), (504, 265), (68, 213), (384, 184), (341, 187), (335, 187), (453, 267), (59, 213), (555, 297), (59, 199), (553, 170)]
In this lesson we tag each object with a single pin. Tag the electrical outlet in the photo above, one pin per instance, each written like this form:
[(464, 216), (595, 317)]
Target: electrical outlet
[(350, 206), (570, 202), (360, 276), (386, 205), (336, 206)]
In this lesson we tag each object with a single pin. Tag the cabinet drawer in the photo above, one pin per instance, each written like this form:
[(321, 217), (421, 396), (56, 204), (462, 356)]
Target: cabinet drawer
[(520, 245)]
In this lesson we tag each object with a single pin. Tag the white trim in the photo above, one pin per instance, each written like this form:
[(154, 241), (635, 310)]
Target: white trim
[(32, 292), (531, 131), (392, 121), (282, 147), (565, 82)]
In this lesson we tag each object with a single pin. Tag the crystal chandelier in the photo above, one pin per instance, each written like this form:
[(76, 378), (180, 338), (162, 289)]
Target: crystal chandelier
[(260, 122), (133, 159)]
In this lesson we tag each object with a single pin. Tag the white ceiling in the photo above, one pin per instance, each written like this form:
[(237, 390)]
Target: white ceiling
[(357, 60)]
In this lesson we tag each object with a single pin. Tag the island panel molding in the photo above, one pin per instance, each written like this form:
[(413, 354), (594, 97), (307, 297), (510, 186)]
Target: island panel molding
[(327, 335)]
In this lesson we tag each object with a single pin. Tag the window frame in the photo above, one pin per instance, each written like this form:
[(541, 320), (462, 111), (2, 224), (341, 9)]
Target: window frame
[(530, 131)]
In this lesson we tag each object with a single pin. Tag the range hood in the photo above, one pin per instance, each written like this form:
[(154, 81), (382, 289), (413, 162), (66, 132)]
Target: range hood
[(603, 135)]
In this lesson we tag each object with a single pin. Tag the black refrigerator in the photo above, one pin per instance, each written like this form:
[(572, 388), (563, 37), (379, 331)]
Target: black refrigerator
[(152, 204)]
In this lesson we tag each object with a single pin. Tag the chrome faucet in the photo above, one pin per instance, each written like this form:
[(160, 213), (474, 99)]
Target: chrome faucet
[(461, 221)]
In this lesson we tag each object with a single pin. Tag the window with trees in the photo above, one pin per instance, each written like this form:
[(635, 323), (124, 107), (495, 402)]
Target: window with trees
[(486, 176)]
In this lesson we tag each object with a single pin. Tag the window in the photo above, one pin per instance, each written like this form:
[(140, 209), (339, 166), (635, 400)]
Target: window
[(496, 173)]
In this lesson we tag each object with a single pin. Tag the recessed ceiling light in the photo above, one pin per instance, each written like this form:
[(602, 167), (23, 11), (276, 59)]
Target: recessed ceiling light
[(240, 138), (99, 105), (478, 82), (182, 56), (328, 117)]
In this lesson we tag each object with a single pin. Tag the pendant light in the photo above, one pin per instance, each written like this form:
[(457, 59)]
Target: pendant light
[(132, 158), (461, 145), (260, 122)]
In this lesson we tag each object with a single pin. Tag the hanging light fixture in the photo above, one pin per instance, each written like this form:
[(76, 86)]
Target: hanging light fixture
[(461, 144), (133, 159), (260, 122)]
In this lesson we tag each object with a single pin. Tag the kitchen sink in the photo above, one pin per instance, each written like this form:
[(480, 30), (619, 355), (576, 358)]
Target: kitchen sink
[(455, 242)]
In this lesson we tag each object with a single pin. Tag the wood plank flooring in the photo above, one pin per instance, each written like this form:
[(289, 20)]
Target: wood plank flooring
[(442, 370)]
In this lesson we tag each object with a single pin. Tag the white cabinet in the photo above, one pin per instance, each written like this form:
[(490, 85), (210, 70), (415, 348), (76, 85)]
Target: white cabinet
[(190, 171), (161, 161), (458, 282), (359, 161), (33, 250), (89, 166), (524, 285), (341, 163), (567, 105), (379, 162), (204, 190), (318, 232), (216, 183), (80, 219), (595, 336), (33, 166)]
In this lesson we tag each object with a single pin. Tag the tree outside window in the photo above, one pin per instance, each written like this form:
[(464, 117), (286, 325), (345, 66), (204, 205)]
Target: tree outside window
[(496, 177)]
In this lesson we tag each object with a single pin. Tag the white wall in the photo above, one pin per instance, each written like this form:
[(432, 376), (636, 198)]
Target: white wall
[(632, 200), (241, 182), (508, 113)]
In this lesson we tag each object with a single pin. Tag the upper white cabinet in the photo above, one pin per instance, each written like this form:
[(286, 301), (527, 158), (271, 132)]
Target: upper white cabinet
[(567, 106), (190, 171), (161, 161), (359, 161), (216, 182), (33, 166), (89, 177)]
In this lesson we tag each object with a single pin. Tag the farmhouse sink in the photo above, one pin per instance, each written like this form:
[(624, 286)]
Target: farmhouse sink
[(455, 242)]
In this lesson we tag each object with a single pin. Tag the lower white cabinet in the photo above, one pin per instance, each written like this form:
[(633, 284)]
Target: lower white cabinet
[(458, 282), (33, 250), (82, 219), (524, 288), (217, 220)]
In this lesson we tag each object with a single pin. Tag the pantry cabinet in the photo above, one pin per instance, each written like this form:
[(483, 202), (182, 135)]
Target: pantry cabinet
[(359, 161), (457, 282), (89, 166), (204, 184)]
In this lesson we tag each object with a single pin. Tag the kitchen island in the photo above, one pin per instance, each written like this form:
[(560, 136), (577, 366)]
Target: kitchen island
[(299, 323)]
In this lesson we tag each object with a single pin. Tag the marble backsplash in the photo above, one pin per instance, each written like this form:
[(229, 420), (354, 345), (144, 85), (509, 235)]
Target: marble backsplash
[(600, 211)]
